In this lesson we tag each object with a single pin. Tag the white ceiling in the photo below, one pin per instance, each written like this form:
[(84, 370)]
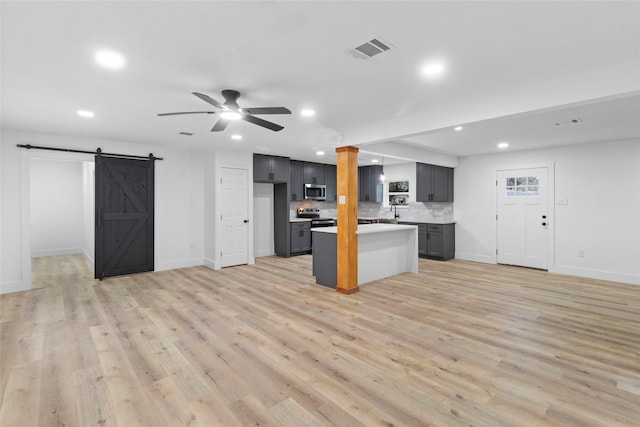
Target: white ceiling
[(512, 70)]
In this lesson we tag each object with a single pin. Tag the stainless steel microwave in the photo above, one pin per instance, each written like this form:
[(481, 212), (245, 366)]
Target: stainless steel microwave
[(315, 192)]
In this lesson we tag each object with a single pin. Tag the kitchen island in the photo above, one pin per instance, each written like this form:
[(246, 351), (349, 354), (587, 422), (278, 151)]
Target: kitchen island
[(384, 250)]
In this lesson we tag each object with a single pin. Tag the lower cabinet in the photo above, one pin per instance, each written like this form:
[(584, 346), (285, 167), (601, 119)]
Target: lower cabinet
[(422, 240), (441, 241), (300, 237), (435, 241)]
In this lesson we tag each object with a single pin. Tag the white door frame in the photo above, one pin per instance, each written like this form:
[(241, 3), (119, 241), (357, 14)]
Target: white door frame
[(25, 201), (551, 219), (217, 262)]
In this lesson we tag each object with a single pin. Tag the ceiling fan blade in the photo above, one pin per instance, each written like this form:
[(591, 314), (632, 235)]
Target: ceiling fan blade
[(208, 99), (266, 110), (186, 112), (265, 124), (220, 125)]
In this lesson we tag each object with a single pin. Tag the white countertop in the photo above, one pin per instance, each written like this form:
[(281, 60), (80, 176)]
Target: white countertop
[(422, 221), (440, 222), (368, 228)]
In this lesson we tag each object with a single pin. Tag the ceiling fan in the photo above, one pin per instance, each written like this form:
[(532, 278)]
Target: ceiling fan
[(231, 111)]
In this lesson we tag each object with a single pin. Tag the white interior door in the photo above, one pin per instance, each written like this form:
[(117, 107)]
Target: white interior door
[(522, 217), (234, 201)]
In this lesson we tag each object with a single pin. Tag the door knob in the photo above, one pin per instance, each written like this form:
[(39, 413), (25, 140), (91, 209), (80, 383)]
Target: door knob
[(245, 221), (544, 217), (544, 223)]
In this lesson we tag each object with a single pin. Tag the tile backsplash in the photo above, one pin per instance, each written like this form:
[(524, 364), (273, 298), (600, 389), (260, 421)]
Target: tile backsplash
[(416, 211)]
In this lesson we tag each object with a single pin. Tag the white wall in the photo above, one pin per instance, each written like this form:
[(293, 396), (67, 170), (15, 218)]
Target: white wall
[(263, 239), (399, 172), (600, 183), (56, 207), (179, 201)]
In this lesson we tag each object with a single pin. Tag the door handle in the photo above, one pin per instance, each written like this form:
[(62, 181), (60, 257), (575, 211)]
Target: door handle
[(544, 223), (245, 221)]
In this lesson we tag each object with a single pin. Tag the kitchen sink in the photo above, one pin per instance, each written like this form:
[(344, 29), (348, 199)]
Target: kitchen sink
[(378, 221)]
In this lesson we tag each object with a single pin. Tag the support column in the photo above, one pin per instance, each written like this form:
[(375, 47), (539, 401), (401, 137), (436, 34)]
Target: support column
[(347, 262)]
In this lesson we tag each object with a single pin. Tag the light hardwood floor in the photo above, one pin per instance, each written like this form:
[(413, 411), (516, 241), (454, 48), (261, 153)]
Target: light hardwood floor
[(458, 344)]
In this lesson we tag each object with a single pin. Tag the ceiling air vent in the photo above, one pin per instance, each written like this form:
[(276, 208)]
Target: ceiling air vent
[(370, 49), (575, 121)]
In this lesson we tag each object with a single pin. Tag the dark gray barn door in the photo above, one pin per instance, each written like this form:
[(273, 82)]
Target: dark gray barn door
[(124, 216)]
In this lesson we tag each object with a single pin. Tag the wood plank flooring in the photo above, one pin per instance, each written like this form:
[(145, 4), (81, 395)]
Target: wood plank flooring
[(457, 344)]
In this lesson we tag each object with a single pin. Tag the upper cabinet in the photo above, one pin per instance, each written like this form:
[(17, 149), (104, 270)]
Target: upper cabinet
[(369, 185), (313, 173), (331, 181), (434, 183), (297, 180), (270, 168)]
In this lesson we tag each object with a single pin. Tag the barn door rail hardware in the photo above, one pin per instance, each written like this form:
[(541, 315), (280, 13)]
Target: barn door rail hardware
[(97, 152)]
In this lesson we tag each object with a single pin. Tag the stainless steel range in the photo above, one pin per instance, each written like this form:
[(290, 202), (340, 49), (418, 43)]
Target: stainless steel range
[(316, 220)]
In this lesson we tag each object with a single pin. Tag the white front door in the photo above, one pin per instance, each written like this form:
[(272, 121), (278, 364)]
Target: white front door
[(234, 201), (523, 217)]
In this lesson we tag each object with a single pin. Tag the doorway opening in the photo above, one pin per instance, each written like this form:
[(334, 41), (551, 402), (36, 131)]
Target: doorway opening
[(61, 212)]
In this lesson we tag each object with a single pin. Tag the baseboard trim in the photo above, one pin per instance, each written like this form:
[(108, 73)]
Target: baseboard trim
[(596, 274), (264, 253), (211, 264), (88, 257), (466, 256), (9, 287), (184, 263), (56, 252)]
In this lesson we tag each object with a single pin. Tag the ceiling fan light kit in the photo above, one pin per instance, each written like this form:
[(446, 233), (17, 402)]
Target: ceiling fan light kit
[(231, 111)]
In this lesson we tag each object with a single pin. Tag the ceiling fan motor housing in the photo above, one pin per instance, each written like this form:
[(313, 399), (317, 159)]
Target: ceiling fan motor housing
[(230, 97)]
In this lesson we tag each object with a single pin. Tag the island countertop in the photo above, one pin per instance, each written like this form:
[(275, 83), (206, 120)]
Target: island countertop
[(384, 250), (367, 228)]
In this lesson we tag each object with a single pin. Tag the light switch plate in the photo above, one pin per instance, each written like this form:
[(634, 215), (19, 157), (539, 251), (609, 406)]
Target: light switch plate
[(342, 200)]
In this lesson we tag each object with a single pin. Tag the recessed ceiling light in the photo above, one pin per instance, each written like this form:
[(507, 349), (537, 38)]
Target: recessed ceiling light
[(85, 113), (320, 153), (503, 145), (110, 59), (374, 160), (458, 128), (236, 137), (230, 115), (433, 69), (307, 112)]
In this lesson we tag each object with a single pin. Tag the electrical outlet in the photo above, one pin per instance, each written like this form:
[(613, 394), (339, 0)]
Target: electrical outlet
[(581, 253)]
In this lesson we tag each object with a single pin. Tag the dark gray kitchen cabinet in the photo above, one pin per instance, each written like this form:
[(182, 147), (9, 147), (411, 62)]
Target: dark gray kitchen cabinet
[(331, 181), (422, 237), (441, 241), (297, 180), (313, 173), (300, 237), (434, 183), (270, 168), (369, 185), (435, 241)]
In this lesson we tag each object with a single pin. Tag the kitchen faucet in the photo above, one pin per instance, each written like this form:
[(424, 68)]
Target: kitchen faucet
[(394, 207)]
